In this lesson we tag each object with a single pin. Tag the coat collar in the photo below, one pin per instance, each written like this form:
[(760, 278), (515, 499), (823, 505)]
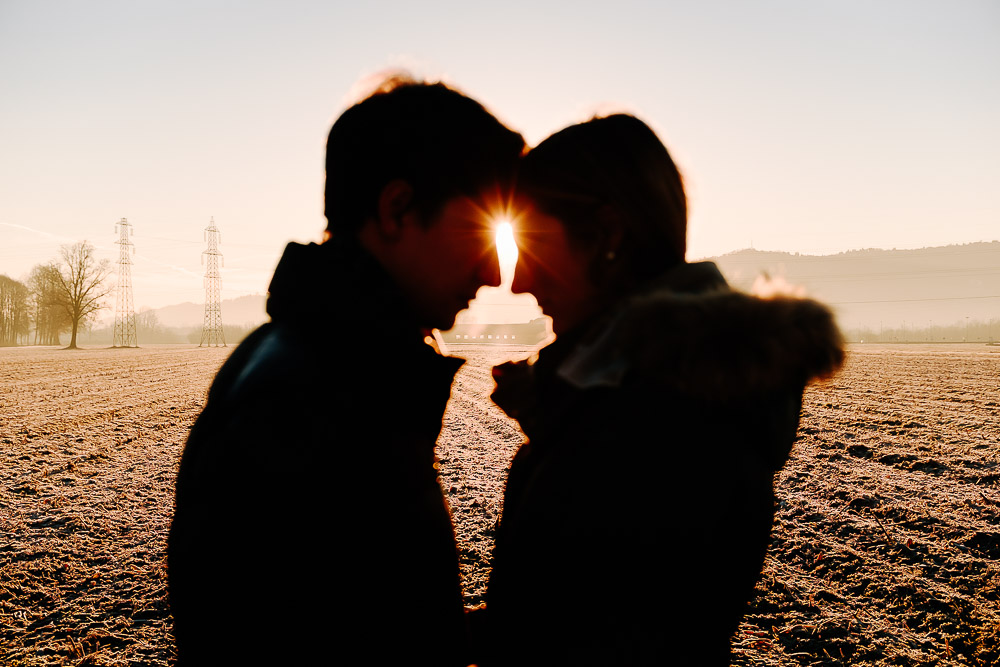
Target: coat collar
[(689, 332), (335, 283)]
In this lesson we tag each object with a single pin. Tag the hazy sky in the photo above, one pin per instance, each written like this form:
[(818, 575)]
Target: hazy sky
[(804, 126)]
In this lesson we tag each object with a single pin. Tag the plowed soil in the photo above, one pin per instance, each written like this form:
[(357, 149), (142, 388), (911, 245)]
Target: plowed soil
[(886, 548)]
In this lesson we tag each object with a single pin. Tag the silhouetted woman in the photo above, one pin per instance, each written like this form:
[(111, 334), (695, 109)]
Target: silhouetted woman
[(636, 519)]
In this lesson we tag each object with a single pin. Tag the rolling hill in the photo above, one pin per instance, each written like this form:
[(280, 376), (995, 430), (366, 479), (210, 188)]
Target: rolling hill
[(925, 290)]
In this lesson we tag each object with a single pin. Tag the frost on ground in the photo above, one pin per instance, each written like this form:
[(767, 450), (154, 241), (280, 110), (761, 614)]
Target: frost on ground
[(90, 441), (885, 550)]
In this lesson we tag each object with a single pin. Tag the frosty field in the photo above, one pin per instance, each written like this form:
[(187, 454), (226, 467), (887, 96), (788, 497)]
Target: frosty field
[(886, 548)]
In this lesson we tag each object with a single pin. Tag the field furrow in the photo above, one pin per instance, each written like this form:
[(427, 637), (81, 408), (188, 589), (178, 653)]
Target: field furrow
[(886, 547)]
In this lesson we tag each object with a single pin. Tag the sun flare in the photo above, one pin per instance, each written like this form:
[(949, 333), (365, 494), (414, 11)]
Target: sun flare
[(506, 251)]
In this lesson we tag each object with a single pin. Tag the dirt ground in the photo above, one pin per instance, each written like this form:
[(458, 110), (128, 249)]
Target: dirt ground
[(886, 548)]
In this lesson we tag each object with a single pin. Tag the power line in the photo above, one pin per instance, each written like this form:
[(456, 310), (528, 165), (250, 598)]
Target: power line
[(903, 278), (944, 298), (895, 254)]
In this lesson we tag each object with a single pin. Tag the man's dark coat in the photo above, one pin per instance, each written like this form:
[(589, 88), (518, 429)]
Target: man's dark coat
[(310, 527)]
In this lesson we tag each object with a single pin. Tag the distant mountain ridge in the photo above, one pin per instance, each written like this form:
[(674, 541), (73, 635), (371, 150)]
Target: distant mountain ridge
[(926, 287)]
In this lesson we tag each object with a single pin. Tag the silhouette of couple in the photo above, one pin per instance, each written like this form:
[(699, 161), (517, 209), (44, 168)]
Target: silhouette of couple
[(310, 527)]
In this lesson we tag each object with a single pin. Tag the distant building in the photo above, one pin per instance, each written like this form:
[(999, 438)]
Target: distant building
[(498, 317), (522, 334)]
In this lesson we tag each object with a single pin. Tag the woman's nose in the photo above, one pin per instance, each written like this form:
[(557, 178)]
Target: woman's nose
[(522, 278)]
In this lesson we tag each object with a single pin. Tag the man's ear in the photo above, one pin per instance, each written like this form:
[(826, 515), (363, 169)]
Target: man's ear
[(394, 202)]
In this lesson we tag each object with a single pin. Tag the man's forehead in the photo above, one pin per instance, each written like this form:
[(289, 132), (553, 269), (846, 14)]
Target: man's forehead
[(469, 208)]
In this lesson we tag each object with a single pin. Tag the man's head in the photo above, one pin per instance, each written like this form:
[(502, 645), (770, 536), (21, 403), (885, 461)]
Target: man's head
[(410, 172)]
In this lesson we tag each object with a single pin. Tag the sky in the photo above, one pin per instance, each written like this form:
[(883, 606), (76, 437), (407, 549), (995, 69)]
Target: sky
[(813, 127)]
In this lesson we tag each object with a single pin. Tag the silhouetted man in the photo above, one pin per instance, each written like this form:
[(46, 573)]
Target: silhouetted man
[(310, 527)]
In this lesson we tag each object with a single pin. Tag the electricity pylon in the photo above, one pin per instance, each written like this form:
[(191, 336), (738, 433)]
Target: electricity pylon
[(211, 333), (124, 309)]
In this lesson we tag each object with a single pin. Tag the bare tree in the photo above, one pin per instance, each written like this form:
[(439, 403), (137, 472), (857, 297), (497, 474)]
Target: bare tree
[(50, 318), (83, 283)]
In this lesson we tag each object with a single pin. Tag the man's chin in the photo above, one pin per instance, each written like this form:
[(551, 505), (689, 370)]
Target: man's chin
[(444, 318), (443, 322)]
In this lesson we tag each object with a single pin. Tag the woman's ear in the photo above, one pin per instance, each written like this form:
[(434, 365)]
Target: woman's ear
[(611, 230), (607, 264), (393, 203)]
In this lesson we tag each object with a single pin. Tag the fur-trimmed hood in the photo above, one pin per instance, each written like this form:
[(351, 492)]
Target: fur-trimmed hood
[(691, 333)]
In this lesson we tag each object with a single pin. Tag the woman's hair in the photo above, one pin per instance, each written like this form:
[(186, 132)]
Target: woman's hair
[(433, 137), (612, 178)]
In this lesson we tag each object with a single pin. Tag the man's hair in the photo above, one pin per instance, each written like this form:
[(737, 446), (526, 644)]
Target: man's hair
[(612, 171), (433, 137)]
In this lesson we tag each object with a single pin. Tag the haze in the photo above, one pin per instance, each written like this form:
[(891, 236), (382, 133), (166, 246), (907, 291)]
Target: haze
[(813, 127)]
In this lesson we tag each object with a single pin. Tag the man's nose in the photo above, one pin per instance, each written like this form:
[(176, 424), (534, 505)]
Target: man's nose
[(489, 270)]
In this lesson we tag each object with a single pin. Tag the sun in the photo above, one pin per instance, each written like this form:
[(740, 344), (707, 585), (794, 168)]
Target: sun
[(506, 251)]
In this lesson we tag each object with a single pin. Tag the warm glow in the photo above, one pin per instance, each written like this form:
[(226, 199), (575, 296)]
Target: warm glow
[(506, 252)]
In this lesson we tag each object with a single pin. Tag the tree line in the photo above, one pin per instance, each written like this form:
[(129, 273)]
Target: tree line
[(57, 297), (968, 331), (149, 330)]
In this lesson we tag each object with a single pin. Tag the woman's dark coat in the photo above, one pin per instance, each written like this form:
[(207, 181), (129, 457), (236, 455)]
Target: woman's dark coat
[(636, 519)]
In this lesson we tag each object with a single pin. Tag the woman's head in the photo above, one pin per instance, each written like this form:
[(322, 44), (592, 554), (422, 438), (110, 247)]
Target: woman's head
[(605, 211)]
